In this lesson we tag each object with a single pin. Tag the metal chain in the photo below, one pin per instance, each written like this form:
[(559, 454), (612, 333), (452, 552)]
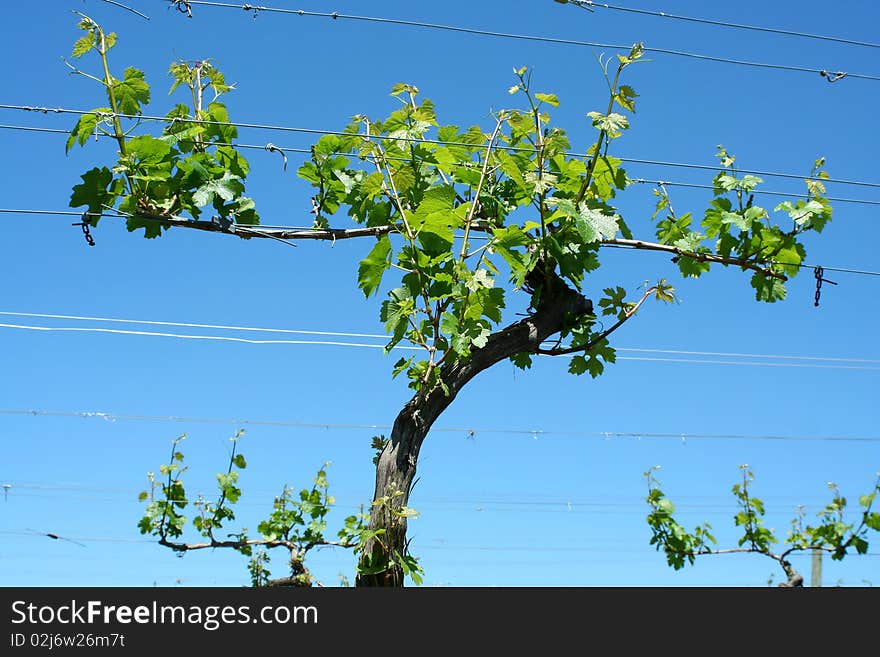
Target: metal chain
[(183, 7), (89, 239), (84, 224), (819, 273)]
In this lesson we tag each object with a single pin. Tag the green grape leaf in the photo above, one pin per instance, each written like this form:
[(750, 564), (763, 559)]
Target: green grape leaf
[(131, 92), (550, 99), (226, 188), (93, 192), (373, 267), (767, 288)]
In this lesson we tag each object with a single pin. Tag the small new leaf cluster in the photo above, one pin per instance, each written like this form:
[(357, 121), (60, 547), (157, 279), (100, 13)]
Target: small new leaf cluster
[(300, 518), (297, 522), (358, 534), (167, 498), (680, 546), (190, 166), (736, 228), (751, 516), (833, 533), (212, 515), (378, 444)]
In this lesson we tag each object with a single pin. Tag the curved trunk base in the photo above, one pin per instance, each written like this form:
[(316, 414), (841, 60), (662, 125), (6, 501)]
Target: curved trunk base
[(396, 468)]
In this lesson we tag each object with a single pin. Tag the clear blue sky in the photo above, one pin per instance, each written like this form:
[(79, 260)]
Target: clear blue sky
[(563, 507)]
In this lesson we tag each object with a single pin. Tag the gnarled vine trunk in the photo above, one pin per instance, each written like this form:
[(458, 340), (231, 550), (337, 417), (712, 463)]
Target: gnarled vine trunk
[(396, 469)]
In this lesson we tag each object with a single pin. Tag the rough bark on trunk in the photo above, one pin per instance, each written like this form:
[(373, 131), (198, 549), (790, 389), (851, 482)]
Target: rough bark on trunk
[(396, 469)]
